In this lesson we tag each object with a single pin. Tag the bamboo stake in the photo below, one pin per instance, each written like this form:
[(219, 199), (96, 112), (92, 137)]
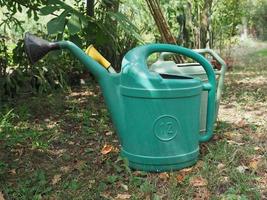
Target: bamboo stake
[(164, 29)]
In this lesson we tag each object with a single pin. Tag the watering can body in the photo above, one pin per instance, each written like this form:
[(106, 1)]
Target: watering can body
[(160, 132), (161, 112), (156, 116)]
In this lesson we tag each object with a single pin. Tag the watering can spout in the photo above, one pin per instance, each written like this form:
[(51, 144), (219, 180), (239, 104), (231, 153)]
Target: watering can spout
[(36, 48)]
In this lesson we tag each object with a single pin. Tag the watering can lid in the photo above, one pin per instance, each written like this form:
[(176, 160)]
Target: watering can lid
[(135, 73), (185, 69)]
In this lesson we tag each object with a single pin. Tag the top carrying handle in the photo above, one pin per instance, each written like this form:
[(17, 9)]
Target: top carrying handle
[(140, 54)]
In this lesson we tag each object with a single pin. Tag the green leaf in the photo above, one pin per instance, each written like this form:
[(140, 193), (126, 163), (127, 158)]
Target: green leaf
[(83, 18), (48, 10), (74, 24), (126, 25), (19, 8), (57, 25), (36, 17), (76, 40), (29, 13), (60, 3)]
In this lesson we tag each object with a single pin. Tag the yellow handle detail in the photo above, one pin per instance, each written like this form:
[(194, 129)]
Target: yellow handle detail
[(92, 52)]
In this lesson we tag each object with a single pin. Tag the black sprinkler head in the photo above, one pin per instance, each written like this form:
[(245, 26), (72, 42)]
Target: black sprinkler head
[(36, 47)]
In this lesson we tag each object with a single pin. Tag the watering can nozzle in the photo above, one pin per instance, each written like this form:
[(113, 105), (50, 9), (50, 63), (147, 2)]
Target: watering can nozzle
[(92, 52), (36, 47), (96, 55)]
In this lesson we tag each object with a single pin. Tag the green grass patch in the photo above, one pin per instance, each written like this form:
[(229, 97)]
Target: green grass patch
[(261, 53)]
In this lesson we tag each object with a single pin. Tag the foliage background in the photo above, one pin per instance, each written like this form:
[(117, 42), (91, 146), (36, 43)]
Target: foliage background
[(114, 27), (52, 140)]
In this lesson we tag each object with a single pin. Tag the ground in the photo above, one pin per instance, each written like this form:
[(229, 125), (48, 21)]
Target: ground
[(63, 146)]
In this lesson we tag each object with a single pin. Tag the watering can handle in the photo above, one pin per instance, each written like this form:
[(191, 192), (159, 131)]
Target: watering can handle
[(140, 54)]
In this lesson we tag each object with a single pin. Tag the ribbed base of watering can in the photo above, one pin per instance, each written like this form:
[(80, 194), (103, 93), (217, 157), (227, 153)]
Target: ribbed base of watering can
[(160, 164)]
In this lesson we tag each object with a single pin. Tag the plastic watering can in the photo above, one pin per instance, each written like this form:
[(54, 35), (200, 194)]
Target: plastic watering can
[(156, 116), (162, 65)]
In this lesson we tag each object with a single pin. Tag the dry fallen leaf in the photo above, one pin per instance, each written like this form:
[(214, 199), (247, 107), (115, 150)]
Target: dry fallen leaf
[(186, 170), (164, 176), (228, 135), (1, 196), (202, 194), (80, 165), (106, 149), (13, 171), (137, 173), (263, 180), (108, 133), (90, 183), (199, 164), (257, 148), (180, 178), (241, 123), (140, 173), (224, 179), (115, 149), (105, 195), (65, 169), (56, 179), (234, 142), (233, 136), (254, 163), (241, 169), (123, 196), (220, 166), (125, 187), (198, 181)]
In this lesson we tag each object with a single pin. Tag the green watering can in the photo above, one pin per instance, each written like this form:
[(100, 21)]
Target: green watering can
[(195, 70), (156, 116)]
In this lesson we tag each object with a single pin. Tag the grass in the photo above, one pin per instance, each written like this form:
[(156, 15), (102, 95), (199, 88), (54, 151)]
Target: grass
[(261, 53), (50, 148)]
